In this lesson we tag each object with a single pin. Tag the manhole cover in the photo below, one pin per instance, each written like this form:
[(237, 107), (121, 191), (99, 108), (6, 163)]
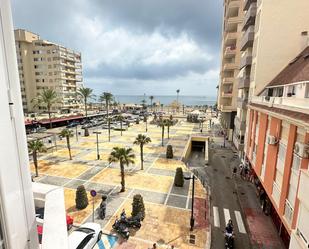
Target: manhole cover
[(192, 239)]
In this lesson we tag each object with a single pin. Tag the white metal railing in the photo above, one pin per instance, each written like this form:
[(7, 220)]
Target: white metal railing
[(276, 193), (302, 103), (288, 211)]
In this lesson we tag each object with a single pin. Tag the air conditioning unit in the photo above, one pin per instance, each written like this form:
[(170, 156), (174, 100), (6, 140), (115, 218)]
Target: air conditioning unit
[(271, 139), (301, 150)]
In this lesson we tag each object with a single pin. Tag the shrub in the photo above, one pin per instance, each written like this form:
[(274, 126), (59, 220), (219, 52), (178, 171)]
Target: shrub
[(86, 132), (179, 180), (169, 152), (81, 199), (138, 207)]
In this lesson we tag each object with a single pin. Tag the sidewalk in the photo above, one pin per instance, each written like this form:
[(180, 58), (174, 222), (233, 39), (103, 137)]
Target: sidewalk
[(263, 234)]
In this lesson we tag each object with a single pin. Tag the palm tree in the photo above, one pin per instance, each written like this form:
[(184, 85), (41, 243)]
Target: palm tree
[(141, 140), (85, 93), (162, 124), (124, 156), (47, 98), (151, 99), (67, 134), (120, 118), (108, 98), (34, 147), (144, 103), (169, 123), (177, 91)]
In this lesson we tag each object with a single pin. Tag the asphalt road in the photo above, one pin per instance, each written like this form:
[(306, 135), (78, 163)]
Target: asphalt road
[(224, 200)]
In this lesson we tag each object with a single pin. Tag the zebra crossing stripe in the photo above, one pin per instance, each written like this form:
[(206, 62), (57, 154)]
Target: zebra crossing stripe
[(240, 224), (227, 216), (216, 216)]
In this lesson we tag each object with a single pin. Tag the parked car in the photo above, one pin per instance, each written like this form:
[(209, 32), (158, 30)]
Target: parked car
[(72, 124), (86, 236), (39, 213)]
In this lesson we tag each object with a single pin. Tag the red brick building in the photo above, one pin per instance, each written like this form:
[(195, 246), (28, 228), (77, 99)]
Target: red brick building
[(277, 141)]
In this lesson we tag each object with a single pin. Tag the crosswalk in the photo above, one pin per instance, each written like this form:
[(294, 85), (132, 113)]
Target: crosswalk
[(106, 242), (226, 216)]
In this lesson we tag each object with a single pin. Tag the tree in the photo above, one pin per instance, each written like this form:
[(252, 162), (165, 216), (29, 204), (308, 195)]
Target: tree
[(141, 140), (177, 91), (162, 124), (138, 207), (168, 123), (85, 93), (151, 99), (144, 103), (34, 147), (108, 98), (46, 98), (179, 180), (67, 133), (169, 152), (81, 198), (124, 156), (120, 118)]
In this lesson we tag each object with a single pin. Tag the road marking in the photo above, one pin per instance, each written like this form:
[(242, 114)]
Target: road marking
[(240, 223), (227, 216), (216, 217)]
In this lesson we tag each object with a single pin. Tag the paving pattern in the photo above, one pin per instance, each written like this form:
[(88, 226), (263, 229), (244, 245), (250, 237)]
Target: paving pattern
[(167, 206)]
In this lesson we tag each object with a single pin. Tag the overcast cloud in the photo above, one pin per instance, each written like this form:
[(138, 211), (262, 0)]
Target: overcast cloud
[(134, 46)]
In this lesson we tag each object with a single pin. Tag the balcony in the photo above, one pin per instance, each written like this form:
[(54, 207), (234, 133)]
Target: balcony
[(248, 3), (244, 82), (290, 103), (240, 125), (230, 38), (246, 60), (233, 4), (227, 80), (230, 51), (242, 102), (247, 39), (237, 143), (229, 66), (250, 17), (227, 94), (227, 108)]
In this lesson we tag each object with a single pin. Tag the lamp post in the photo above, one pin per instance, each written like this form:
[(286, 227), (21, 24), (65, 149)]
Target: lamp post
[(97, 133), (192, 206), (145, 117), (76, 133)]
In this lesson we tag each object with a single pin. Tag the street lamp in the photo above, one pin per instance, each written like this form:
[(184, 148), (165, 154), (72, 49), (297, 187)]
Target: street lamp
[(192, 207), (97, 133), (145, 117)]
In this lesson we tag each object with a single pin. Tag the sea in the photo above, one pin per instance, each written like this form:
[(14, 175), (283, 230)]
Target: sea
[(167, 99)]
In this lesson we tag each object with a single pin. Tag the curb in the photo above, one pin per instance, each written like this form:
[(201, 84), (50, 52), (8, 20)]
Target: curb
[(208, 234)]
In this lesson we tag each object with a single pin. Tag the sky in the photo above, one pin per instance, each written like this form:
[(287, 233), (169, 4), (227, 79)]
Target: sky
[(132, 47)]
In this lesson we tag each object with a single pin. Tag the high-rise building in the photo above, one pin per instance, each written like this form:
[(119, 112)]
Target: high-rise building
[(277, 146), (272, 34), (47, 65), (227, 92)]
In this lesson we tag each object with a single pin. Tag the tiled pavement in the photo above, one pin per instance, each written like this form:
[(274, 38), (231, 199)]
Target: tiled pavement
[(161, 198)]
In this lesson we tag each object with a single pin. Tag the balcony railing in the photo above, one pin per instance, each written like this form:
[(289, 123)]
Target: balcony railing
[(246, 60), (247, 39), (227, 94), (248, 3), (237, 143), (240, 125), (230, 38), (288, 102), (243, 82), (230, 51), (250, 16), (228, 80), (229, 66), (276, 193)]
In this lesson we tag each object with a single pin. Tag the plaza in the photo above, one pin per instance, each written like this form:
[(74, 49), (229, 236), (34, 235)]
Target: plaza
[(168, 208)]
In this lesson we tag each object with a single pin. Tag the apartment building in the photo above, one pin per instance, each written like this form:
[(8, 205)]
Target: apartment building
[(278, 143), (18, 225), (230, 55), (272, 33), (42, 65)]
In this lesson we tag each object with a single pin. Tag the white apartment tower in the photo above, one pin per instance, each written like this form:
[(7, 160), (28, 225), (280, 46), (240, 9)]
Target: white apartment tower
[(42, 65)]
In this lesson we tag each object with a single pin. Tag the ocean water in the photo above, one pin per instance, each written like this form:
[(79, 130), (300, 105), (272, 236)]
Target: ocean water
[(166, 99)]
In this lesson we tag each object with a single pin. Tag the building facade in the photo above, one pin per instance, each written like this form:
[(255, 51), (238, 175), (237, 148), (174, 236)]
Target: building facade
[(230, 56), (272, 34), (277, 143), (46, 65)]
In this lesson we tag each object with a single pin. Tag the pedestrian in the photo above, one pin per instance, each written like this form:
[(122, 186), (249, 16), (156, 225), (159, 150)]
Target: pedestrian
[(154, 246), (246, 171), (234, 171), (241, 170), (102, 209)]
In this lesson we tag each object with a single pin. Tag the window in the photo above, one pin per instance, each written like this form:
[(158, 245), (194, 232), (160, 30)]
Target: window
[(296, 162), (281, 157)]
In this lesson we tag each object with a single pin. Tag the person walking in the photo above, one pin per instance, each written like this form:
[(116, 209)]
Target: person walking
[(102, 209), (234, 171)]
